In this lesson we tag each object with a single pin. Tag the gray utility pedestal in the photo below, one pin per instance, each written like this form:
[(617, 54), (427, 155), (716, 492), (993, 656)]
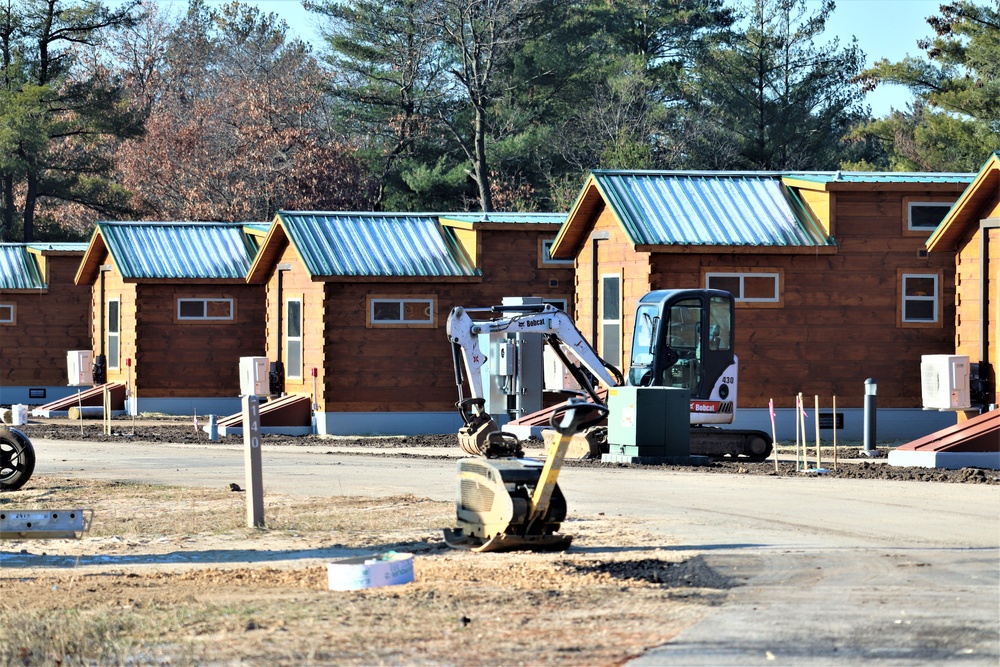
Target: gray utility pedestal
[(649, 425)]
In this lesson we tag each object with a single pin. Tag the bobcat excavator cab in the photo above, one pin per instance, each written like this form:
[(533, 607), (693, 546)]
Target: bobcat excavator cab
[(682, 338)]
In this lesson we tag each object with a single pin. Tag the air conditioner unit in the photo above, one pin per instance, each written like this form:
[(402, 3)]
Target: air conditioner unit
[(556, 376), (80, 364), (255, 376), (944, 381)]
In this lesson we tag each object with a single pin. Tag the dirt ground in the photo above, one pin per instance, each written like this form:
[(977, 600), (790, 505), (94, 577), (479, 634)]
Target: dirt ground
[(169, 576), (159, 580)]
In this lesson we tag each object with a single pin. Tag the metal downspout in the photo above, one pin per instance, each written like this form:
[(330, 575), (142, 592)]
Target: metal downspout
[(595, 284)]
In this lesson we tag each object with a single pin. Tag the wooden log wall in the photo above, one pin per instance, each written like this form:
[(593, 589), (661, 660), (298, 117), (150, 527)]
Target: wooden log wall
[(48, 324), (615, 255), (837, 323), (410, 369), (184, 359)]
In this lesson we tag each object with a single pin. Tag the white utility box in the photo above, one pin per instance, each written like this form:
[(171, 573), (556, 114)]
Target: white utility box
[(80, 364), (557, 377), (944, 381), (255, 376)]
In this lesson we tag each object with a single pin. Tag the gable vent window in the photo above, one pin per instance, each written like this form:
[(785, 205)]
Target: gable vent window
[(6, 313), (925, 216), (205, 309)]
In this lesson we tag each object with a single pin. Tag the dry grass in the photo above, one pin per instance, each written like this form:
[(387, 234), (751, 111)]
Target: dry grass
[(173, 576)]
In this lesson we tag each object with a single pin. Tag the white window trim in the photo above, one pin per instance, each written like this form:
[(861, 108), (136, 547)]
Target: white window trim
[(547, 255), (605, 322), (114, 361), (934, 298), (204, 301), (921, 204), (739, 298), (12, 309), (428, 302), (294, 373)]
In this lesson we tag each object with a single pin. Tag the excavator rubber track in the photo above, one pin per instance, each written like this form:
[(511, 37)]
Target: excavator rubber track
[(730, 442)]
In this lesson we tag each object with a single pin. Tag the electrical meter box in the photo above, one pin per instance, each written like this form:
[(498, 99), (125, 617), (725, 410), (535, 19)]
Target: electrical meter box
[(255, 376), (649, 422), (80, 364)]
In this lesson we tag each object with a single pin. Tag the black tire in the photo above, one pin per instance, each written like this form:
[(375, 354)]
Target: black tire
[(17, 459)]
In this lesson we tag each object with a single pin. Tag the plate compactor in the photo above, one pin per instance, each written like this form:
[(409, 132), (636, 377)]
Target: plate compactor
[(510, 503)]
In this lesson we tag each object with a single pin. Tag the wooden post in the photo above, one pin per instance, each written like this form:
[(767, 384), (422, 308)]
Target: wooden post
[(107, 411), (834, 432), (819, 455), (796, 434), (774, 435), (252, 462)]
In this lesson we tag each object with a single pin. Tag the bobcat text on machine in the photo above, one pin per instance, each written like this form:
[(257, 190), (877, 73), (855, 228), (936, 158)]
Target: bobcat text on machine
[(682, 339)]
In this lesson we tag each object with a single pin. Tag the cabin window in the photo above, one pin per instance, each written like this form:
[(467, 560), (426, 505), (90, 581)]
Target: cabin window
[(386, 311), (114, 333), (919, 299), (561, 304), (747, 287), (205, 309), (6, 313), (545, 254), (293, 339), (925, 215), (611, 318)]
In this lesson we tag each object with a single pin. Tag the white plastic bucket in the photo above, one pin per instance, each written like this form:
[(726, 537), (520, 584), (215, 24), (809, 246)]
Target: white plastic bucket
[(18, 414), (352, 574)]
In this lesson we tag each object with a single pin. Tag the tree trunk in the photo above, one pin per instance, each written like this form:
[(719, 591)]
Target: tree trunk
[(29, 208), (7, 201), (481, 166)]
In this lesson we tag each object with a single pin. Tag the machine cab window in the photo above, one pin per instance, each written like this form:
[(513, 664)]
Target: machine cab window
[(682, 340)]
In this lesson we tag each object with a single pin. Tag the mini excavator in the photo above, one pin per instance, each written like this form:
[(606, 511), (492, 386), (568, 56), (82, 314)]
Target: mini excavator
[(682, 338)]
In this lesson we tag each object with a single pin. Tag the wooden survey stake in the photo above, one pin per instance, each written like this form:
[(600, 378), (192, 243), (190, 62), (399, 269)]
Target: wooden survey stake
[(252, 462)]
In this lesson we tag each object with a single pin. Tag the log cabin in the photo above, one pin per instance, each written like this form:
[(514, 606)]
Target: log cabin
[(970, 232), (357, 305), (171, 312), (832, 281), (43, 316)]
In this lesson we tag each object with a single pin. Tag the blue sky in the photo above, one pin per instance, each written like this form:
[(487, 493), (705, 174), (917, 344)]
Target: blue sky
[(884, 29)]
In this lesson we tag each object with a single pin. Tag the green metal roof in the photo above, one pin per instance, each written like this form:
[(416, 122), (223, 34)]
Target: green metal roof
[(58, 246), (507, 218), (210, 250), (881, 177), (18, 269), (709, 208), (376, 245)]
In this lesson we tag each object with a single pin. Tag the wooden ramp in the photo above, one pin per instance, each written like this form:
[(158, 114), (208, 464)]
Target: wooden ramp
[(288, 415), (974, 443), (93, 397), (532, 425)]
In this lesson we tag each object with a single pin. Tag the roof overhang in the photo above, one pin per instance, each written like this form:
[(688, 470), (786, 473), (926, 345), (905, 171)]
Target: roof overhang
[(984, 188), (574, 231), (872, 186), (271, 247), (93, 259)]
